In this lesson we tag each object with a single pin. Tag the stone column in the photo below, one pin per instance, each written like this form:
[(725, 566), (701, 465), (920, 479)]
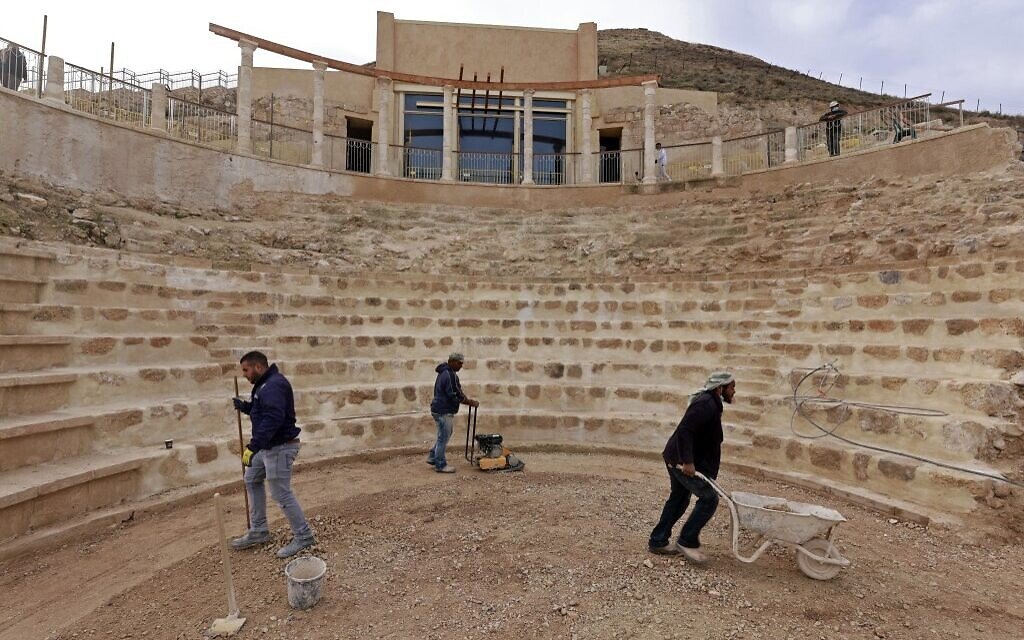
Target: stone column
[(318, 113), (717, 165), (528, 136), (244, 97), (384, 125), (791, 152), (650, 87), (448, 122), (158, 108), (54, 89), (586, 144)]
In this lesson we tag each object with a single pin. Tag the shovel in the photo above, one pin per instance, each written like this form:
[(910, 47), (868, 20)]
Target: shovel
[(230, 625)]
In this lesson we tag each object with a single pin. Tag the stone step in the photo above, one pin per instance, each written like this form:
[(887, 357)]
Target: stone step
[(21, 288), (979, 363), (974, 273), (33, 353), (29, 393), (42, 438), (24, 261), (33, 497), (660, 305)]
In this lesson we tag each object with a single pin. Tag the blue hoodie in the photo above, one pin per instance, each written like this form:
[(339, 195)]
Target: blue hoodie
[(273, 411), (447, 391)]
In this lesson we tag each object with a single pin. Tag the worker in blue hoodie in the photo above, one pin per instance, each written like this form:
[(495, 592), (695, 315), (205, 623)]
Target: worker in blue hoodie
[(270, 455), (448, 396)]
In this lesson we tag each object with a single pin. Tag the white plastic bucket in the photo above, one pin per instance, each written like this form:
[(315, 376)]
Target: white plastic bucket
[(305, 576)]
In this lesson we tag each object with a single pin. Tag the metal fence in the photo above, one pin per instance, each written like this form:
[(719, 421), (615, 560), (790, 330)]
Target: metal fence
[(414, 162), (863, 130), (204, 125), (348, 154), (753, 153), (179, 79), (490, 168), (281, 142), (555, 168), (101, 96), (21, 67), (687, 162)]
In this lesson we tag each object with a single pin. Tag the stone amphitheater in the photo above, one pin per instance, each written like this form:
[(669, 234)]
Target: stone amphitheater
[(584, 364)]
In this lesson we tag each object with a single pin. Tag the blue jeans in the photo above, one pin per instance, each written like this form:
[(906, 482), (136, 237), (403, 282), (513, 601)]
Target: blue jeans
[(445, 423), (275, 466), (682, 486)]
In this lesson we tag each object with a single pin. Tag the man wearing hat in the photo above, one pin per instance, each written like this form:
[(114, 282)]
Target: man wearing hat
[(695, 446), (448, 396), (833, 120)]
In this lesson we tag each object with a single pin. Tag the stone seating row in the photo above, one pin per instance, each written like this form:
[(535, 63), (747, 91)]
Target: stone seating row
[(996, 332), (934, 303), (268, 287)]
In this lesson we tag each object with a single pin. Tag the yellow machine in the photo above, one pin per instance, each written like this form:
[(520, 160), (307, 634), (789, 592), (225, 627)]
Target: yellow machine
[(486, 451)]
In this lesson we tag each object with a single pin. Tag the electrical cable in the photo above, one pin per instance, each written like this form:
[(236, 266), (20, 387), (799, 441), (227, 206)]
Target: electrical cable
[(826, 384)]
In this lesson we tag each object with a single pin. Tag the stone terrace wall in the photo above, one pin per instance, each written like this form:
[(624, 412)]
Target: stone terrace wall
[(106, 355)]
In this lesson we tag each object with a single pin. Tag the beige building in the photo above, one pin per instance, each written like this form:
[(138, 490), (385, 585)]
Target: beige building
[(504, 85)]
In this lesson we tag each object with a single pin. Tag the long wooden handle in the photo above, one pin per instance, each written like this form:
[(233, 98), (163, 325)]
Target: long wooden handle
[(241, 446), (232, 604)]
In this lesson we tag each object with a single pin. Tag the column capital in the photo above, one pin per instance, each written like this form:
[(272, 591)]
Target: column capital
[(383, 81), (248, 46), (319, 66), (649, 87), (587, 92), (529, 92)]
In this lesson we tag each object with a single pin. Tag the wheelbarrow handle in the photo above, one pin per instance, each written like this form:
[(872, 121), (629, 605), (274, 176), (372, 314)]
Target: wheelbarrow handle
[(732, 511)]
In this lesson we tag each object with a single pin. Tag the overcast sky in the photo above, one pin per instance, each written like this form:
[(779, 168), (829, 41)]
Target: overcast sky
[(969, 49)]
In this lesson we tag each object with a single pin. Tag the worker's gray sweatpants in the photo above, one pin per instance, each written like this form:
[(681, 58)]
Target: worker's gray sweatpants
[(275, 466)]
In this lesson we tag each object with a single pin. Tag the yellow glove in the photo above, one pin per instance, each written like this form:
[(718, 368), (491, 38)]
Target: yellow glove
[(247, 455)]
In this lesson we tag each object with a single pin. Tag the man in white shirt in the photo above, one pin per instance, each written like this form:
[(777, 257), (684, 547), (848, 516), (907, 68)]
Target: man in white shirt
[(661, 159)]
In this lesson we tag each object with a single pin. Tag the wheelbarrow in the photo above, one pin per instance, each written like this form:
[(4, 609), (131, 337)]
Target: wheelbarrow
[(808, 529)]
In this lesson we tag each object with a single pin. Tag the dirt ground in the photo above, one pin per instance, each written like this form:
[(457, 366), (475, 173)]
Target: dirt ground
[(558, 551)]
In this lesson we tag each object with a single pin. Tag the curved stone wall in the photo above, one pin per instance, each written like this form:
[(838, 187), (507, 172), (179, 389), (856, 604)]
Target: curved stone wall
[(106, 356)]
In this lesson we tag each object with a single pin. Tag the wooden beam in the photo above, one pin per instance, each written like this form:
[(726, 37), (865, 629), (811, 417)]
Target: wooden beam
[(338, 65)]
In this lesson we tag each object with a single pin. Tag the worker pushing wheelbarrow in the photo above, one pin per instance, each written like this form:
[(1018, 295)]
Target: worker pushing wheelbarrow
[(692, 458)]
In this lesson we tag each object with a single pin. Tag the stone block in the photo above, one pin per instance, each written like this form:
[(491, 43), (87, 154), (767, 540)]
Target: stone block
[(897, 470), (206, 452)]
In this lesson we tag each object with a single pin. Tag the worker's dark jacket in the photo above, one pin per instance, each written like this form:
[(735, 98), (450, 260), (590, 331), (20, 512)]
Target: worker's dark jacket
[(833, 121), (698, 438), (447, 391), (13, 68), (273, 411)]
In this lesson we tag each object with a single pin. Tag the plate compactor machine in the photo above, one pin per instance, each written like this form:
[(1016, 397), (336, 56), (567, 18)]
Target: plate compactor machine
[(485, 451)]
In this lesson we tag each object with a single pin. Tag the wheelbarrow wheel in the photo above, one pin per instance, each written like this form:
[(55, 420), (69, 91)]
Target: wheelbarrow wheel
[(811, 567)]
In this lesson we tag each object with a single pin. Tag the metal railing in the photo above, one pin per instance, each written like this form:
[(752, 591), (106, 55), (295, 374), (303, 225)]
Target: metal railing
[(415, 162), (281, 142), (348, 154), (687, 162), (752, 153), (863, 130), (489, 168), (198, 123), (21, 67), (555, 168), (101, 96), (179, 79)]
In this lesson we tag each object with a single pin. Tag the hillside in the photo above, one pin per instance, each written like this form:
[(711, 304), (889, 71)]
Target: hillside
[(741, 80)]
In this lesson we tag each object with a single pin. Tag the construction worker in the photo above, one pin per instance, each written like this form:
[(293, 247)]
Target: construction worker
[(448, 396), (696, 445), (833, 119), (270, 455)]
